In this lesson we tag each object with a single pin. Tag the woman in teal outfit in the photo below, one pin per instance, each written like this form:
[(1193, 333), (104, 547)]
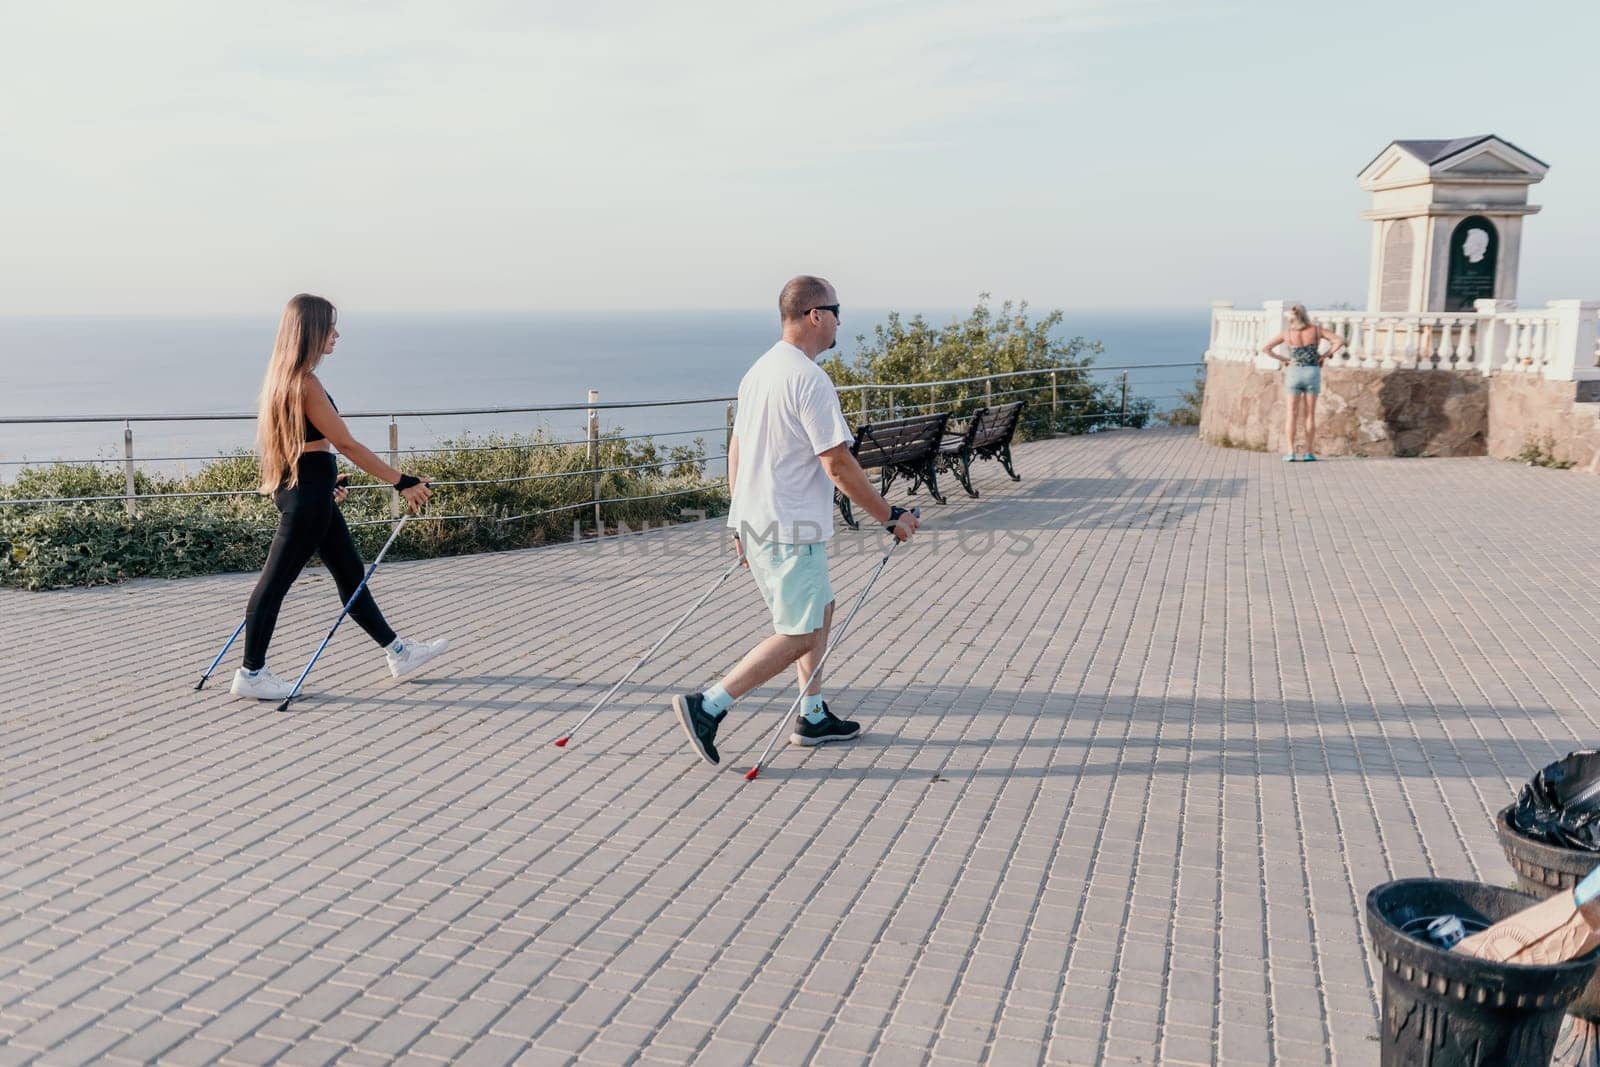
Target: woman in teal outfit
[(1303, 377)]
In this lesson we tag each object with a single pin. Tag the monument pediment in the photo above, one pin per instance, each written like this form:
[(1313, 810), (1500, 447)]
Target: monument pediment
[(1394, 167), (1480, 158)]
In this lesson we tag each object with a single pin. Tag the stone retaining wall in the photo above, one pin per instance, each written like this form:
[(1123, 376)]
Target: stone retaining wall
[(1360, 412), (1558, 419), (1364, 412)]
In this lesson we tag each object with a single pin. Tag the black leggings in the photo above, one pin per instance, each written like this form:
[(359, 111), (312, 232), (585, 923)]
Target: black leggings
[(308, 522)]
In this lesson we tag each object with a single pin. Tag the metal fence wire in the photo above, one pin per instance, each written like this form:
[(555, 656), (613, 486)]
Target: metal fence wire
[(864, 405)]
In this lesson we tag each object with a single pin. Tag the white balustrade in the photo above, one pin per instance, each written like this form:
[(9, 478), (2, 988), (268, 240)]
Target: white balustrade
[(1430, 354), (1445, 355), (1369, 350), (1560, 342), (1237, 336), (1388, 347), (1466, 347), (1410, 354)]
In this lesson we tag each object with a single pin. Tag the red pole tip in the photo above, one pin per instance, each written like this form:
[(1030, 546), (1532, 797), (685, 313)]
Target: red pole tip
[(751, 774), (562, 742)]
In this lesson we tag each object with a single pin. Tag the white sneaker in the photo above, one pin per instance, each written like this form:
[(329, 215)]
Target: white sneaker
[(262, 685), (413, 654)]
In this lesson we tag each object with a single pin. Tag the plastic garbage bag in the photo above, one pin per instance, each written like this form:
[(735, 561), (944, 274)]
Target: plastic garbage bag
[(1561, 804)]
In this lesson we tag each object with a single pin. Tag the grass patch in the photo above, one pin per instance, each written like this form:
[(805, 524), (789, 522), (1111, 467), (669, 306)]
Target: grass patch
[(1245, 446), (1542, 454)]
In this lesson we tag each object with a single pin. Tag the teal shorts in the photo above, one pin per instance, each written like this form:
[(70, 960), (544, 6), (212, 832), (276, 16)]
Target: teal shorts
[(1302, 381), (793, 580)]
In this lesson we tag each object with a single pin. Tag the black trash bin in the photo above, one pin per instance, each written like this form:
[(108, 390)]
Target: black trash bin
[(1443, 1008), (1560, 805), (1543, 869)]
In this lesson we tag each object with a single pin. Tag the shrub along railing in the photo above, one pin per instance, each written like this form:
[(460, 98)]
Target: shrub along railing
[(1060, 399), (86, 522)]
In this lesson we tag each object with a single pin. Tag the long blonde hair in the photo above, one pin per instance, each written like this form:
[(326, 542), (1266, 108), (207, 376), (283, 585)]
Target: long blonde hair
[(1298, 318), (281, 415)]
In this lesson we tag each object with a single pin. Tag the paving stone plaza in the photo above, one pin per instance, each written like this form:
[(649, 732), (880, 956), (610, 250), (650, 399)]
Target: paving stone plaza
[(1142, 731)]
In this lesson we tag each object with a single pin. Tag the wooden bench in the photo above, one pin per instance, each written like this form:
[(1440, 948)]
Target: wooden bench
[(986, 435), (899, 447)]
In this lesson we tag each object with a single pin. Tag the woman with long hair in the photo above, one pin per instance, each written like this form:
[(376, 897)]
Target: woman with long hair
[(1302, 379), (297, 433)]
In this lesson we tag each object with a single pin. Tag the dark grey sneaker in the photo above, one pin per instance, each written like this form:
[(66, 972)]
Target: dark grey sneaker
[(820, 733), (698, 724)]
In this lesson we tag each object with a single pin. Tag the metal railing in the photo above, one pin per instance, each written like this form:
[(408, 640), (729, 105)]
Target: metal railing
[(868, 406)]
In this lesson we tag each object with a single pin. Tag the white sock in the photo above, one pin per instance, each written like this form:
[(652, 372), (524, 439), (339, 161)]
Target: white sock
[(717, 701)]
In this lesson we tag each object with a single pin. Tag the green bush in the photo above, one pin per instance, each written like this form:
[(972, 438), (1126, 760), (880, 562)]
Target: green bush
[(1187, 413), (52, 546), (85, 544), (985, 342)]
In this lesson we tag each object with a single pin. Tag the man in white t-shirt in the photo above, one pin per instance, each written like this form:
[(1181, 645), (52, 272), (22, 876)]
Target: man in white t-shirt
[(790, 448)]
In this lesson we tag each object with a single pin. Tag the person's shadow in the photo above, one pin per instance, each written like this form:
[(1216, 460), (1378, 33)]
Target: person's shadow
[(1435, 413)]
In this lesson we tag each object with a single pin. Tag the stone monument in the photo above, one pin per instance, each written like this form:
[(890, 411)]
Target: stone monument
[(1443, 361), (1447, 222)]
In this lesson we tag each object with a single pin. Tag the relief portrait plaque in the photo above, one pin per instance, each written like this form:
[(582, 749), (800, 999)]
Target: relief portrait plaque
[(1474, 254)]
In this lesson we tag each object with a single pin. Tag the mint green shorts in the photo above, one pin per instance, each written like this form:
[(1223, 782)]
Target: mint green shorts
[(793, 580), (1301, 380)]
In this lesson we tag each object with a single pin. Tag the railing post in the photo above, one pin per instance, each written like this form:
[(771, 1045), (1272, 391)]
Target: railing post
[(394, 461), (891, 403), (727, 444), (988, 392), (127, 469), (594, 457), (1216, 326), (1571, 340), (1055, 403), (866, 405), (1270, 326), (933, 399), (1124, 421), (1491, 339)]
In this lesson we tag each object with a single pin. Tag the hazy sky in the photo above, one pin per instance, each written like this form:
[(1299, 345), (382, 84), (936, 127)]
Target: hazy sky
[(219, 156)]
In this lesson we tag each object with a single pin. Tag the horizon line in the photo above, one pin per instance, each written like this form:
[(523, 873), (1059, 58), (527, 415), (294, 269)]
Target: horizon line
[(345, 309)]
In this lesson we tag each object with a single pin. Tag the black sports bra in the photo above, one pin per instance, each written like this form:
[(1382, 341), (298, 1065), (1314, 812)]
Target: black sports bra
[(314, 434)]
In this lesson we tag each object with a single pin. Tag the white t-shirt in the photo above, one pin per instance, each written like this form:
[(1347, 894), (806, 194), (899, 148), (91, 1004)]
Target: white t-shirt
[(788, 414)]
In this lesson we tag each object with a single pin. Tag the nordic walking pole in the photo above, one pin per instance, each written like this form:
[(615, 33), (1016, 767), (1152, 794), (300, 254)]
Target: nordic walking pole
[(344, 611), (837, 637), (201, 683), (561, 742), (342, 480)]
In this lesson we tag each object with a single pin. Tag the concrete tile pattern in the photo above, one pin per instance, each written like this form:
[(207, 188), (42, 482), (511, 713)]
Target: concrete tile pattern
[(1141, 732)]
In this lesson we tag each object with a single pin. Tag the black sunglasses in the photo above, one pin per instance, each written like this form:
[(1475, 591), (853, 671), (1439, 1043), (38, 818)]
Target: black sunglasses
[(828, 307)]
